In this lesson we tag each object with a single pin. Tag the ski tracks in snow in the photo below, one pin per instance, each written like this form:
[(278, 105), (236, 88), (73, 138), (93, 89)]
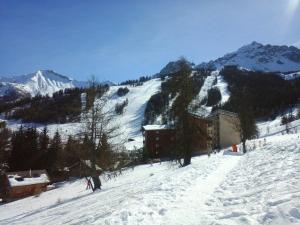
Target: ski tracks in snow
[(262, 189), (200, 191)]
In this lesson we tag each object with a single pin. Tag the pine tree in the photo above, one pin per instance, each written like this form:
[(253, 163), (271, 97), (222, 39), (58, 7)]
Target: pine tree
[(186, 129), (17, 158), (31, 148), (5, 136), (43, 148), (55, 148), (71, 152)]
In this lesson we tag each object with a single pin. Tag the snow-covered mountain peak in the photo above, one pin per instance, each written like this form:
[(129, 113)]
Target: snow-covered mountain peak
[(256, 56), (42, 82), (50, 74), (40, 74)]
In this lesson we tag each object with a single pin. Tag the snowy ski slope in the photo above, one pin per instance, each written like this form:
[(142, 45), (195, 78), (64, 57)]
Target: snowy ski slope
[(261, 187), (130, 121)]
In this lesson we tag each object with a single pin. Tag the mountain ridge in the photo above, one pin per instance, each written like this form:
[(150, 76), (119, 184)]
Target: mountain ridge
[(42, 82), (259, 57)]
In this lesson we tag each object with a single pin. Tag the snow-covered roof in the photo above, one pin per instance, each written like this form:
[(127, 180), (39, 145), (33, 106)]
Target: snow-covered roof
[(30, 177), (224, 112), (156, 127)]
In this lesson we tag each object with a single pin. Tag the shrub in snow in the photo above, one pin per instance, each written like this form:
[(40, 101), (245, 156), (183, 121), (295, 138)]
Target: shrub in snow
[(119, 107), (122, 91), (213, 96)]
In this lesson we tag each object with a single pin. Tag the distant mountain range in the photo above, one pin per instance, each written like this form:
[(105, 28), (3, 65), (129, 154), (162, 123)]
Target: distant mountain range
[(43, 82), (254, 56), (259, 57)]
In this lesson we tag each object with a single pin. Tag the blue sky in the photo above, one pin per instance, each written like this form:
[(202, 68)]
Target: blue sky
[(124, 39)]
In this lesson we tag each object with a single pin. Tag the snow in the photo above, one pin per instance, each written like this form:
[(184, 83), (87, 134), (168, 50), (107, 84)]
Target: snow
[(43, 178), (129, 123), (291, 76), (223, 87), (208, 84), (155, 127), (43, 82), (274, 127), (256, 56), (260, 187), (89, 164), (64, 129)]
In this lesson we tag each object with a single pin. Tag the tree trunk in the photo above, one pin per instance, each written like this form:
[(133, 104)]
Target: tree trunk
[(97, 182), (187, 159), (244, 146), (95, 176)]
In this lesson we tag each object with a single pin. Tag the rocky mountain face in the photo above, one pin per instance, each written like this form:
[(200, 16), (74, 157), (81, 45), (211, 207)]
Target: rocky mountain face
[(171, 68), (43, 82), (259, 57)]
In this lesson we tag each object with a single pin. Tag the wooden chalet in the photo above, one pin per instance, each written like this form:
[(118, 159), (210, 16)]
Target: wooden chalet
[(16, 185)]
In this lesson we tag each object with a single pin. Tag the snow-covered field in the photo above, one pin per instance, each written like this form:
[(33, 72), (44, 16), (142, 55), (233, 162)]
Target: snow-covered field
[(130, 122), (274, 127), (260, 187)]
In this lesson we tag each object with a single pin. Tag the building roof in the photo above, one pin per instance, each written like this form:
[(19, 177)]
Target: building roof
[(224, 112), (156, 127), (200, 116), (29, 177)]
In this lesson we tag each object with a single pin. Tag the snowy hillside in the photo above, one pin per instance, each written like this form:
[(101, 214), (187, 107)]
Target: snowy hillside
[(42, 82), (256, 56), (130, 122), (261, 187), (215, 80), (274, 127)]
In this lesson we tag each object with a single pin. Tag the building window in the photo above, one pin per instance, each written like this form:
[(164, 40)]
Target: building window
[(157, 131), (172, 138), (157, 138), (157, 145)]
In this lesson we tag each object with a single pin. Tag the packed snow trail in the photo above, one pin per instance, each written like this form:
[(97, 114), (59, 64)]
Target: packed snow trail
[(261, 187), (208, 83), (264, 188), (198, 193), (147, 195), (213, 81)]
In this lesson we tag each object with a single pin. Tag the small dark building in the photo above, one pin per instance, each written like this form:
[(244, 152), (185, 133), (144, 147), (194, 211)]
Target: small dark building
[(16, 185), (158, 140), (218, 130)]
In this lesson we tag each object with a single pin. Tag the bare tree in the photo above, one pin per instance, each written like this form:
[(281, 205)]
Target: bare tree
[(98, 127), (246, 125)]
